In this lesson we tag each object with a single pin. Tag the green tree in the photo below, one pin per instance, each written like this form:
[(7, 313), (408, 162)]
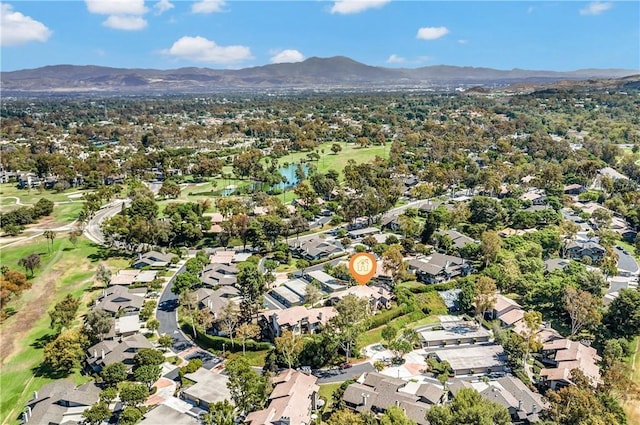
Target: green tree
[(65, 352), (132, 394), (349, 323), (583, 309), (485, 295), (289, 346), (64, 312), (185, 282), (252, 286), (114, 373), (395, 416), (389, 333), (221, 413), (400, 347), (247, 331), (623, 316), (50, 235), (343, 417), (490, 246), (165, 341), (103, 275), (153, 324), (96, 414), (249, 390), (148, 374), (468, 407), (532, 321), (393, 261), (148, 357), (130, 416), (336, 148), (108, 395)]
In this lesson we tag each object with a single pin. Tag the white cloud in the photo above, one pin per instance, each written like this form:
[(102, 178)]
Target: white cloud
[(127, 23), (432, 33), (116, 7), (346, 7), (287, 56), (199, 49), (463, 41), (396, 59), (208, 6), (162, 6), (17, 29), (596, 8)]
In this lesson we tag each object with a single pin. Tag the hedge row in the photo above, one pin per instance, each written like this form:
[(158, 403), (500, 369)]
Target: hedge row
[(384, 317), (215, 342)]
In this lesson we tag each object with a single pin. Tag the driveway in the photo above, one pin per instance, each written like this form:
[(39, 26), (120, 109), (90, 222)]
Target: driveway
[(626, 262), (167, 315), (340, 375)]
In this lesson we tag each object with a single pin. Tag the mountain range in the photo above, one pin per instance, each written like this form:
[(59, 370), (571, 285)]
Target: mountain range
[(314, 73)]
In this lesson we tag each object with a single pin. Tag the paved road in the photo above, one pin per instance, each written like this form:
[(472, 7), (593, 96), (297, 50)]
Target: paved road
[(341, 375), (92, 230), (167, 315), (626, 262)]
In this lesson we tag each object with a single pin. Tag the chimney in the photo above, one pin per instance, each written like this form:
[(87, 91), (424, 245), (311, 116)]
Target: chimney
[(29, 411), (25, 417), (102, 354), (35, 395), (364, 399), (520, 405), (95, 353), (534, 409), (397, 403), (320, 316)]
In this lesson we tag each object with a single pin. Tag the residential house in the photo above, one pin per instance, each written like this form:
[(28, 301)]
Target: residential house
[(458, 239), (216, 300), (378, 296), (215, 275), (523, 405), (327, 282), (119, 301), (209, 388), (153, 259), (363, 233), (473, 359), (450, 298), (574, 189), (313, 249), (165, 414), (578, 249), (298, 319), (291, 293), (292, 401), (438, 268), (60, 402), (133, 277), (502, 306), (375, 392), (564, 355), (107, 352), (536, 197)]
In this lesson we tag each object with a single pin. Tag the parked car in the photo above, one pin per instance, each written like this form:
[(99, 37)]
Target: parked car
[(346, 365)]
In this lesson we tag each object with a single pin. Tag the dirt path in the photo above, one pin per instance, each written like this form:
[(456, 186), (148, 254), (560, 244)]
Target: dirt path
[(42, 291)]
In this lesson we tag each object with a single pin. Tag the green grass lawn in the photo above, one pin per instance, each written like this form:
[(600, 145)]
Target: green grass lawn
[(632, 407), (326, 392), (329, 161), (32, 196), (255, 358), (66, 270), (373, 336)]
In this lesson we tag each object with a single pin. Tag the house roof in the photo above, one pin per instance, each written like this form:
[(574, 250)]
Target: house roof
[(118, 298), (504, 304), (511, 316), (46, 405), (364, 291), (293, 315), (430, 392), (291, 398), (570, 355), (117, 351), (459, 240), (164, 414), (209, 387)]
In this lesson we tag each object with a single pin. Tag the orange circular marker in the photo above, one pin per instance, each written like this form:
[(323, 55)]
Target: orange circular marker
[(362, 267)]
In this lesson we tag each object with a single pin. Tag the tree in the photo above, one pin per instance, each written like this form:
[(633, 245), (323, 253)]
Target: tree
[(74, 237), (165, 341), (169, 189), (532, 321), (153, 324), (247, 331), (431, 224), (229, 319), (148, 374), (148, 357), (400, 347), (289, 346), (251, 284), (103, 275), (220, 413), (108, 395), (30, 262), (469, 407), (490, 246), (582, 307), (313, 295), (64, 312), (485, 295), (336, 148), (185, 282), (12, 282), (623, 316), (345, 416), (65, 352), (393, 261), (249, 390), (349, 323), (130, 416), (389, 333), (50, 235), (467, 296), (114, 373), (189, 301), (96, 414), (395, 416), (132, 394)]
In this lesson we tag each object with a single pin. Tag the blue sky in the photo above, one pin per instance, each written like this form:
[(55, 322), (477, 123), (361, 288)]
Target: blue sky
[(165, 34)]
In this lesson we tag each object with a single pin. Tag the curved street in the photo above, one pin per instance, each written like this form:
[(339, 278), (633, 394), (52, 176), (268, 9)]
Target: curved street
[(167, 314)]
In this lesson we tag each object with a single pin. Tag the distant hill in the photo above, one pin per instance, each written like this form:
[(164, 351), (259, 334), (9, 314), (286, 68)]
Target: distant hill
[(314, 73)]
